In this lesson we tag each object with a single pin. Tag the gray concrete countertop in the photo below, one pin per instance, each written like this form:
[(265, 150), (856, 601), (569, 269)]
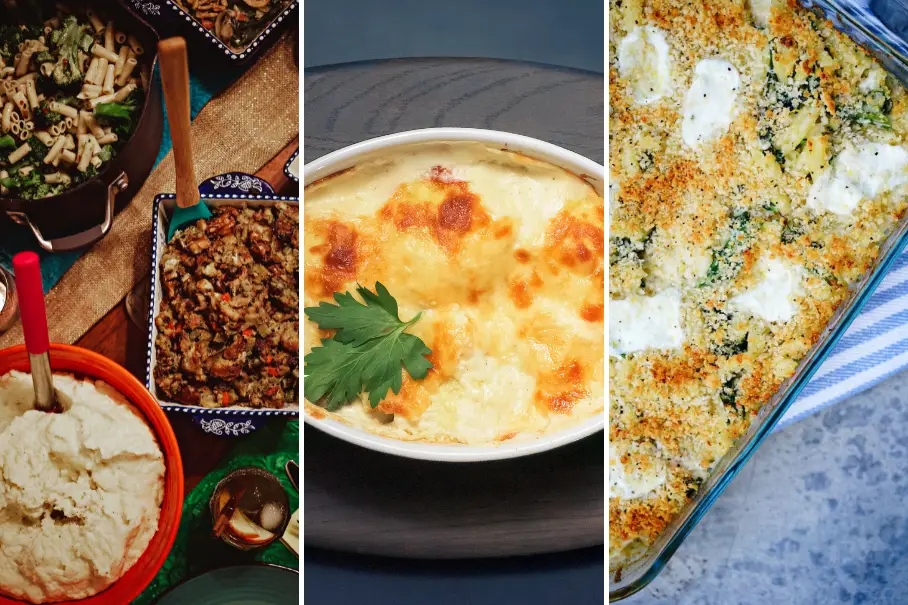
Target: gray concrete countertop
[(818, 516)]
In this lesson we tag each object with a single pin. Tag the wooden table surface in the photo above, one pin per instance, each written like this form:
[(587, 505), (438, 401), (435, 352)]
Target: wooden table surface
[(363, 501), (116, 337)]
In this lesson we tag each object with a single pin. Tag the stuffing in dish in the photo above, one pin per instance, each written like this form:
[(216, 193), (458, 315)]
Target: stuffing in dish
[(229, 317), (758, 159)]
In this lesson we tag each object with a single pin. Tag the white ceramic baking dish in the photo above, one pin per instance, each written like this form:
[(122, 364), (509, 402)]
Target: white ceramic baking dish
[(232, 189), (348, 157)]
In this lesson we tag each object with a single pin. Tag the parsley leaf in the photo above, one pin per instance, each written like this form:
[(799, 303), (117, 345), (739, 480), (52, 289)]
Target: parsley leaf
[(367, 351), (356, 322)]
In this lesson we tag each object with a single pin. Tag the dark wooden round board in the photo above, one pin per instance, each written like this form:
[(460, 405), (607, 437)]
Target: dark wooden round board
[(363, 501)]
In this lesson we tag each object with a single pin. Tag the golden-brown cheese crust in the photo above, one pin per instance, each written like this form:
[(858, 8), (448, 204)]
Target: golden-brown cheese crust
[(503, 255)]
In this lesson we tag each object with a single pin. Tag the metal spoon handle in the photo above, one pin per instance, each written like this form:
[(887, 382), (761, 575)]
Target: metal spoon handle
[(34, 326)]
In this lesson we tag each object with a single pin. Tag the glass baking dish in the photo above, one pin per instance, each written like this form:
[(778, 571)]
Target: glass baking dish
[(858, 21)]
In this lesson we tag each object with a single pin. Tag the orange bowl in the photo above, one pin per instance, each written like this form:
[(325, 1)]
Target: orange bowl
[(87, 364)]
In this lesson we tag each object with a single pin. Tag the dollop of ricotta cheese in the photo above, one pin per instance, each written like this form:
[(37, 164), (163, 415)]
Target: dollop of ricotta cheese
[(709, 106), (859, 173), (643, 61), (773, 297), (642, 474), (761, 10), (645, 322)]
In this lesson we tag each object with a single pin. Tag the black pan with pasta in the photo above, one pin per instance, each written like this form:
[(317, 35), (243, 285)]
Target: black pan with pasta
[(82, 214)]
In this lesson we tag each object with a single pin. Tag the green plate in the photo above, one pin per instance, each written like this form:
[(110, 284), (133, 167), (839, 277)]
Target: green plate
[(239, 585)]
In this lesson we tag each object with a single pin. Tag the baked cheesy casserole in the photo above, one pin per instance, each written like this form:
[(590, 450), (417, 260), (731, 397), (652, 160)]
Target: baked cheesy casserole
[(757, 162), (503, 257)]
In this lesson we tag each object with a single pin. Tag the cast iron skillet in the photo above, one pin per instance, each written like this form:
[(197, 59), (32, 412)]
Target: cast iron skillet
[(81, 216)]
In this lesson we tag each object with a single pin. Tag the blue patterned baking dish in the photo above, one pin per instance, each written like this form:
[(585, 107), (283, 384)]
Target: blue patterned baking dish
[(856, 19), (229, 189), (257, 43), (292, 167)]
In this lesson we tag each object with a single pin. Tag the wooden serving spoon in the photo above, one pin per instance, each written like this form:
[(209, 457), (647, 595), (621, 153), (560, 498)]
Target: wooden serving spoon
[(175, 79), (34, 325)]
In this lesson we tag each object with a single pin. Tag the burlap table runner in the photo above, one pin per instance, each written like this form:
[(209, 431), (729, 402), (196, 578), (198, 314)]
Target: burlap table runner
[(239, 130)]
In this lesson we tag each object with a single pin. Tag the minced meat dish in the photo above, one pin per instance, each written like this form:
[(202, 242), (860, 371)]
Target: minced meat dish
[(228, 326)]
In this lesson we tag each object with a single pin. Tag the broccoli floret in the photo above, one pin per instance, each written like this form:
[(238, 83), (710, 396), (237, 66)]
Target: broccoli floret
[(45, 116), (67, 74), (38, 150), (86, 42), (42, 190), (10, 38), (81, 177), (22, 184), (107, 153), (44, 56), (7, 143)]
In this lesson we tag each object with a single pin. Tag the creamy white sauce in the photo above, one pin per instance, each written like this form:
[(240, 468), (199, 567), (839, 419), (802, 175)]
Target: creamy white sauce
[(639, 323), (627, 483), (773, 299), (859, 173), (643, 61), (709, 106)]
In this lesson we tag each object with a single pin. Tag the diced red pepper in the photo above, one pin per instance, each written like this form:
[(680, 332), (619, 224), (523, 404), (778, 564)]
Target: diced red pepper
[(272, 371), (247, 332), (225, 398), (225, 297)]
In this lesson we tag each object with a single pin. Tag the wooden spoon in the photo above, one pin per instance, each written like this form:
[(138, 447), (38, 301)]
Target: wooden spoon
[(175, 79)]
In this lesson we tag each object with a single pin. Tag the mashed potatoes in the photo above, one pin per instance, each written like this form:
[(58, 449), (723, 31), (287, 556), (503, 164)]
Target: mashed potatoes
[(80, 491)]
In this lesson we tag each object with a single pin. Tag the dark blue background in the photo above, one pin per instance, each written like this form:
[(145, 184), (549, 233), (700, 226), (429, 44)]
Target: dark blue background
[(573, 578), (567, 33)]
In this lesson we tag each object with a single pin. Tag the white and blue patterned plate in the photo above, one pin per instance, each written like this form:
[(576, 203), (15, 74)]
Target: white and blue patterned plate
[(231, 189), (257, 43)]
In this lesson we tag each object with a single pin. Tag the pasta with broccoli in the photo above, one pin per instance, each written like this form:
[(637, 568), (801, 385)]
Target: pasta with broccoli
[(71, 93)]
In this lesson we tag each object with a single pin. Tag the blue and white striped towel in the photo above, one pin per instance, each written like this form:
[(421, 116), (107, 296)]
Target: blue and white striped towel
[(875, 346)]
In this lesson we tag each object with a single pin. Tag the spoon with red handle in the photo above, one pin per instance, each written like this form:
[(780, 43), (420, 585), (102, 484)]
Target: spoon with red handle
[(34, 326)]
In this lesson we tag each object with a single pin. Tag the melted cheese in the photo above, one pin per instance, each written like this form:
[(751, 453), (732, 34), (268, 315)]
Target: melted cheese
[(859, 173), (502, 255), (643, 62), (633, 473), (710, 102), (645, 322)]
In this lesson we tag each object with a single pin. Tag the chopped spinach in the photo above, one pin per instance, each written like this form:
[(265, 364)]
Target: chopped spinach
[(728, 394), (726, 261), (731, 347), (792, 230)]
